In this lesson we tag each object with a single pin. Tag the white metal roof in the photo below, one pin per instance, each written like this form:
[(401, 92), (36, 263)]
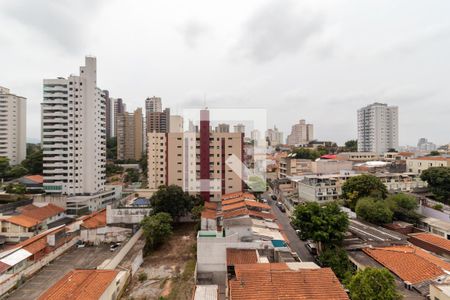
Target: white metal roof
[(206, 292), (16, 257)]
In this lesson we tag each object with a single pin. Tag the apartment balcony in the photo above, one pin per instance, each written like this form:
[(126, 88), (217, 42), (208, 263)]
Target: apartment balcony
[(55, 158), (54, 165), (56, 132), (49, 107), (62, 172), (54, 178)]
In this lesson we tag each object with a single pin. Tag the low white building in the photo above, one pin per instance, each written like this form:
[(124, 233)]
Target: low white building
[(95, 230)]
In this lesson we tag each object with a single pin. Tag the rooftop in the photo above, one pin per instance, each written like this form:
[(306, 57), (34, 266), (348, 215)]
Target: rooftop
[(23, 221), (437, 223), (409, 263), (41, 213), (438, 158), (433, 239), (279, 281), (95, 220), (81, 285), (241, 256)]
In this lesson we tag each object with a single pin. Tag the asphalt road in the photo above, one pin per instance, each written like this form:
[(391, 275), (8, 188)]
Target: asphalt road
[(294, 242)]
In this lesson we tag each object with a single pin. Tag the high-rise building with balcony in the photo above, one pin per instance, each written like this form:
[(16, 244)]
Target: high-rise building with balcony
[(74, 133), (274, 136), (153, 104), (239, 128), (130, 136), (223, 127), (377, 128), (13, 143)]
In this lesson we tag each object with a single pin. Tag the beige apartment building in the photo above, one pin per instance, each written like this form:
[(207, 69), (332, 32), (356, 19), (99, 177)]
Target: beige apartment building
[(197, 162), (420, 164), (294, 167), (130, 135), (301, 133)]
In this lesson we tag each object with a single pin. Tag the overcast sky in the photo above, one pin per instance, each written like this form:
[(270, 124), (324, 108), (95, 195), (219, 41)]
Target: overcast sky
[(313, 60)]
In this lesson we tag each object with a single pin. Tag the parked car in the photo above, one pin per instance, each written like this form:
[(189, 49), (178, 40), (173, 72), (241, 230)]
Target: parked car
[(312, 247), (114, 247), (281, 207), (80, 244), (273, 197)]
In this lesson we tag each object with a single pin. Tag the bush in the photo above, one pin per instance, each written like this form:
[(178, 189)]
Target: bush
[(337, 259), (142, 276), (439, 207), (404, 207), (361, 186), (374, 211), (157, 229)]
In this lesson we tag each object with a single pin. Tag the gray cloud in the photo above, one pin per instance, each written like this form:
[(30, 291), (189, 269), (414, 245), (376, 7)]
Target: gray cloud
[(192, 31), (63, 22), (278, 28)]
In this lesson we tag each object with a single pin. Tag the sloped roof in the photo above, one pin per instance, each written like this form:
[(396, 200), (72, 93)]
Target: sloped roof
[(433, 239), (41, 213), (95, 220), (80, 285), (241, 256), (409, 263), (438, 158), (39, 179), (23, 221), (270, 282), (208, 214)]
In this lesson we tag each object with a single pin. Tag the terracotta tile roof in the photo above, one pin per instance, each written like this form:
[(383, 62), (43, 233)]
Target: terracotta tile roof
[(80, 285), (41, 212), (95, 220), (241, 256), (232, 201), (23, 221), (209, 214), (38, 242), (272, 283), (409, 263), (211, 205), (406, 153), (257, 204), (261, 215), (35, 178), (231, 195), (433, 239), (235, 213), (233, 206), (439, 158)]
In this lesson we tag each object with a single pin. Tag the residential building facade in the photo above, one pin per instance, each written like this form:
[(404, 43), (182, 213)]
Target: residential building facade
[(274, 136), (239, 128), (301, 134), (223, 128), (176, 123), (13, 144), (196, 161), (420, 164), (377, 128), (130, 135), (74, 134), (294, 166)]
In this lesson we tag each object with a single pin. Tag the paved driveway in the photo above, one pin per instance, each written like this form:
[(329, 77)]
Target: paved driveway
[(75, 258), (295, 243)]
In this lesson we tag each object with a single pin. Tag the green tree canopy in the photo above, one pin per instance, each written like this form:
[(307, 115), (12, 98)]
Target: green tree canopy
[(34, 160), (336, 258), (374, 211), (111, 148), (17, 171), (373, 284), (434, 153), (305, 153), (360, 186), (438, 179), (351, 146), (404, 207), (132, 175), (324, 224), (172, 200), (4, 166), (16, 188), (157, 228)]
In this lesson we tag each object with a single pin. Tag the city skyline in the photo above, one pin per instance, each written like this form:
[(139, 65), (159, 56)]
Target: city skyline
[(384, 66)]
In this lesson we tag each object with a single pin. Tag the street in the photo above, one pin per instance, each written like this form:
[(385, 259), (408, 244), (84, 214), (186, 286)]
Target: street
[(294, 242)]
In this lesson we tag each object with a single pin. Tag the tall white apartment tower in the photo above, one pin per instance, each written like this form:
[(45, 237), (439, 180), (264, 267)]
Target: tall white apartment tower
[(377, 128), (74, 133), (153, 104), (13, 144)]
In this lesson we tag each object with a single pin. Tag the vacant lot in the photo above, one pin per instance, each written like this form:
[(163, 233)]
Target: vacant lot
[(167, 273)]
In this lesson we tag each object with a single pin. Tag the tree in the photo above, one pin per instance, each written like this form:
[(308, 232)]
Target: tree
[(373, 284), (143, 163), (157, 228), (112, 169), (4, 166), (196, 212), (306, 153), (324, 224), (392, 150), (132, 175), (351, 146), (172, 200), (374, 211), (16, 188), (17, 171), (438, 179), (404, 207), (360, 186), (34, 160), (111, 148), (337, 259), (434, 153)]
